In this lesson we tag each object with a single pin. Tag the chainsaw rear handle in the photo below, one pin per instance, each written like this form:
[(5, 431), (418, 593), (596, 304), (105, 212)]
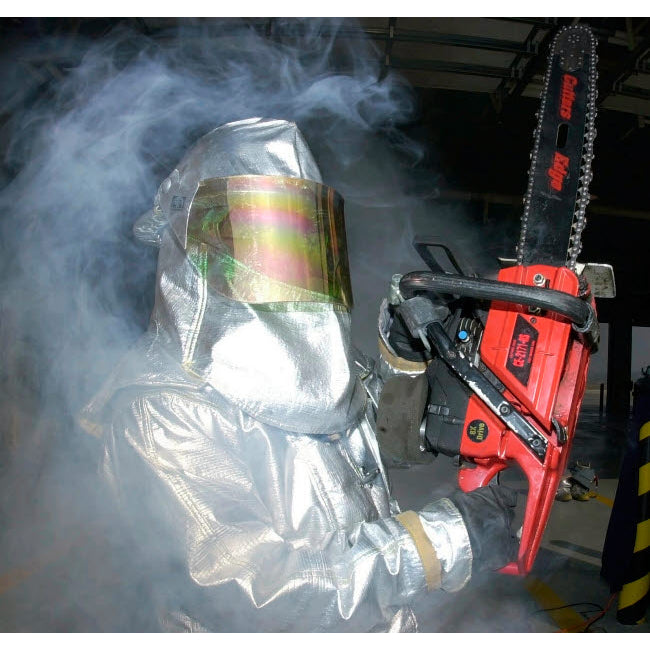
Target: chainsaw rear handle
[(578, 311), (543, 481)]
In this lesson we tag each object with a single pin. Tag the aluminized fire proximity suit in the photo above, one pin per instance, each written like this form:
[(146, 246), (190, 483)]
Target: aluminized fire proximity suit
[(238, 435)]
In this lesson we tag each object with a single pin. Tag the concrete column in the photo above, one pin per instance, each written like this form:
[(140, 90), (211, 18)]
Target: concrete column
[(619, 365)]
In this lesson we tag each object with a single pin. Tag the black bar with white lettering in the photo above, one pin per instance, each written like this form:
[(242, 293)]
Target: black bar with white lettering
[(556, 170)]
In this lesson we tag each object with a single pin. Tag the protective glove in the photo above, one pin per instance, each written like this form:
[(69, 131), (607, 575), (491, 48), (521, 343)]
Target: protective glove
[(488, 513), (404, 344), (397, 347)]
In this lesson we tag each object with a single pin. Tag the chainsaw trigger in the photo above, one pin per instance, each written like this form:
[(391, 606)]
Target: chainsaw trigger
[(560, 432)]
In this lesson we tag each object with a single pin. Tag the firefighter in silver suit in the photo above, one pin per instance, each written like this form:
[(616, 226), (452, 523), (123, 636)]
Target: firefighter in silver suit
[(238, 435)]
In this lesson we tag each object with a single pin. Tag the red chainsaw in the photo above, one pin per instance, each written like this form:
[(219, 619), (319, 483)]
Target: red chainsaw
[(509, 357)]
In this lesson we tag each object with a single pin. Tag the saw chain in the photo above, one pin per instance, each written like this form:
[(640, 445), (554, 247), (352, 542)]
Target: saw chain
[(557, 195)]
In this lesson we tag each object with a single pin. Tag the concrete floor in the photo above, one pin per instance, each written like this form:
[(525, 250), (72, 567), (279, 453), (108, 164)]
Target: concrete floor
[(64, 575)]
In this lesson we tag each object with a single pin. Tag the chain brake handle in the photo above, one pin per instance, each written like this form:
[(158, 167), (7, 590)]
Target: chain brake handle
[(423, 246)]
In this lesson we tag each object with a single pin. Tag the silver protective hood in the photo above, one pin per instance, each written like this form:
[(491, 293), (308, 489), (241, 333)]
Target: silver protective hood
[(252, 355), (253, 146)]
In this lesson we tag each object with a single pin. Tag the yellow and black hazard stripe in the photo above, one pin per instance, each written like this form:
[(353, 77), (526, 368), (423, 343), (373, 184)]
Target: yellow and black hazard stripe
[(634, 597)]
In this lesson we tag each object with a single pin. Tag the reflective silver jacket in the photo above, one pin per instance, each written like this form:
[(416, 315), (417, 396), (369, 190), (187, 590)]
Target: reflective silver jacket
[(240, 443)]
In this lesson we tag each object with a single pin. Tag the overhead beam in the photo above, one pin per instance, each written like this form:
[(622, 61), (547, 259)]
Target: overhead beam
[(632, 91), (550, 23), (439, 38), (529, 70), (449, 66), (400, 35), (613, 80), (546, 23), (503, 89)]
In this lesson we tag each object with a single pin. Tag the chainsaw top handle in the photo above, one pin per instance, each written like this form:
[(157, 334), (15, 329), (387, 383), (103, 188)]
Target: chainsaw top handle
[(578, 311)]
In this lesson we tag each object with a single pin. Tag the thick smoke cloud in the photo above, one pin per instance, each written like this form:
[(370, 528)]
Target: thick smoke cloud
[(83, 158), (91, 154)]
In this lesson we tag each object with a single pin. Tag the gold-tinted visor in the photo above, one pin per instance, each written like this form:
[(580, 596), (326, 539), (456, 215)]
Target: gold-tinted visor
[(271, 239)]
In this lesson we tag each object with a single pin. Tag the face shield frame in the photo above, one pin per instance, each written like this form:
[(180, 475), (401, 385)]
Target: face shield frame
[(270, 241)]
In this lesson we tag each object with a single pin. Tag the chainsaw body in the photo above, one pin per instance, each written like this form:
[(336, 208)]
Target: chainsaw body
[(542, 364), (508, 370)]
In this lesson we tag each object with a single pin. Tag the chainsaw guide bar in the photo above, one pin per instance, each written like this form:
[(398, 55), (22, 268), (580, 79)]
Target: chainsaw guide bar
[(560, 172)]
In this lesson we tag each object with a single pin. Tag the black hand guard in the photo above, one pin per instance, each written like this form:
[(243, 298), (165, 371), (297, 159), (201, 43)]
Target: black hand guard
[(488, 513)]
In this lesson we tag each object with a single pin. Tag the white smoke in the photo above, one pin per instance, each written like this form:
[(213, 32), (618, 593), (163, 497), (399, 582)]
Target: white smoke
[(91, 156), (84, 157)]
